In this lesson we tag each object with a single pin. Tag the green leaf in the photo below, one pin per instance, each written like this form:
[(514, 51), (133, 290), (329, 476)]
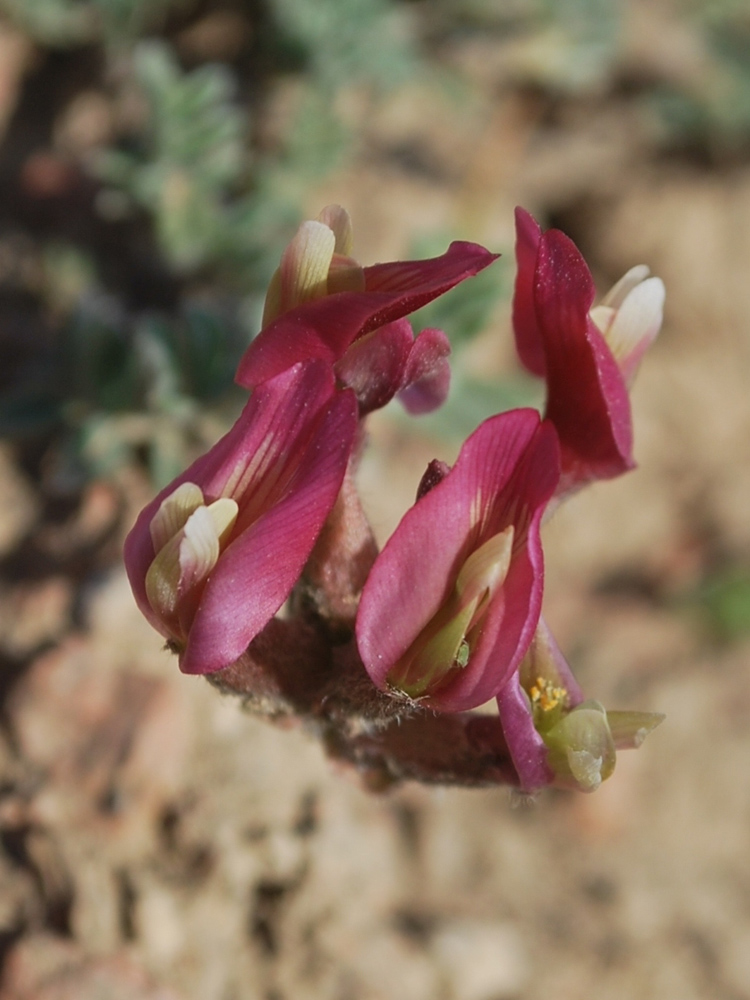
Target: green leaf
[(349, 40)]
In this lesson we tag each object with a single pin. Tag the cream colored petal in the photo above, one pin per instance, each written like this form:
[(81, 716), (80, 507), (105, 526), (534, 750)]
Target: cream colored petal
[(485, 570), (339, 221), (604, 317), (174, 511), (201, 542), (636, 324), (224, 513), (619, 291), (189, 555), (163, 579), (305, 264), (199, 549)]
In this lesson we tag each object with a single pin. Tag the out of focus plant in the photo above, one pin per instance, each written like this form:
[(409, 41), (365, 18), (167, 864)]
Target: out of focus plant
[(187, 159), (568, 45), (342, 42), (147, 384), (712, 107), (120, 382), (73, 22), (723, 601), (214, 202), (119, 387), (571, 44)]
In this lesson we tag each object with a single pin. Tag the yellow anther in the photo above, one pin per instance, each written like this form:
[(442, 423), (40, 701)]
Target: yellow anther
[(545, 696)]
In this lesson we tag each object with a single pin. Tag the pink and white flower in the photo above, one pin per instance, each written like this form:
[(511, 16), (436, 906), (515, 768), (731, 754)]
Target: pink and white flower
[(323, 304), (588, 357), (214, 556), (554, 736), (452, 602)]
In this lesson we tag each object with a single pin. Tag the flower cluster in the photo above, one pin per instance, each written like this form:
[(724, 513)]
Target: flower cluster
[(448, 616)]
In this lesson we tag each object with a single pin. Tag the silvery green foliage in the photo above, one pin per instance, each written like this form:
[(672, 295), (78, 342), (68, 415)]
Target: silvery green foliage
[(118, 381), (343, 41), (115, 386), (564, 45), (713, 108), (213, 201), (189, 155), (71, 22), (141, 382)]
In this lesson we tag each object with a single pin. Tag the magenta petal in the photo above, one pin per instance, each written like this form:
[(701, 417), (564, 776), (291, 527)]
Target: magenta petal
[(511, 620), (325, 328), (587, 399), (526, 746), (427, 377), (374, 365), (257, 571), (529, 342), (417, 282), (274, 415), (562, 675), (505, 474)]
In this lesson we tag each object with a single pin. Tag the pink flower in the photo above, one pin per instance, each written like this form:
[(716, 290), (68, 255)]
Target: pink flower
[(215, 555), (452, 602), (322, 304), (553, 736), (587, 357)]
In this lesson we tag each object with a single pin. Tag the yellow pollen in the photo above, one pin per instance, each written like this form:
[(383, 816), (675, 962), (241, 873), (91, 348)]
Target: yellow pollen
[(545, 696)]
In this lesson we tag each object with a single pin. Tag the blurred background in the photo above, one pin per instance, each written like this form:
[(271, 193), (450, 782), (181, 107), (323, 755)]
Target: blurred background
[(156, 156)]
